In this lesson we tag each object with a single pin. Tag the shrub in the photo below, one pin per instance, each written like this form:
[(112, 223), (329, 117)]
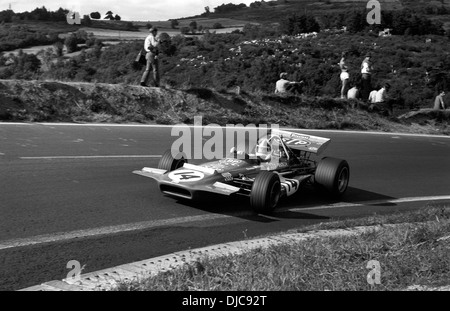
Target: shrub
[(71, 43)]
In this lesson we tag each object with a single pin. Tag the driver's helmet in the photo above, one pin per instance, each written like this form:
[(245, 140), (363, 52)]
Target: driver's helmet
[(263, 149)]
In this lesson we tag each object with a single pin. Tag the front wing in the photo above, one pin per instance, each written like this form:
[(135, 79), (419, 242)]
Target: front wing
[(289, 186), (186, 191)]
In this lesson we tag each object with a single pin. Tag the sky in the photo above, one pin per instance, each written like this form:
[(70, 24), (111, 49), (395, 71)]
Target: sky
[(132, 10)]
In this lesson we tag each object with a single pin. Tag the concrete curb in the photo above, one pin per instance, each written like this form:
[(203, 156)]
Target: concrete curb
[(108, 278)]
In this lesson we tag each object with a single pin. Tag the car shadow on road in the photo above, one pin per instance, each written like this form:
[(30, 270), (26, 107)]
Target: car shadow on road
[(239, 206), (311, 197)]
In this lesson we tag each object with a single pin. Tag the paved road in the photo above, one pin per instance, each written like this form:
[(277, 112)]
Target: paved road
[(67, 193)]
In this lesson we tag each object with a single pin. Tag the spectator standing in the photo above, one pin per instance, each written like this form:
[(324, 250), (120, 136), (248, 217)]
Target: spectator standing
[(366, 76), (344, 75), (439, 101), (283, 85), (151, 46)]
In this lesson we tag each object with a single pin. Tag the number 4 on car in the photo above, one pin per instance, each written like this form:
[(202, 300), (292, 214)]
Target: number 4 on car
[(278, 166)]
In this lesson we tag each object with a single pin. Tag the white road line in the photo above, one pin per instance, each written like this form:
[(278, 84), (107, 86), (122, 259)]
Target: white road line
[(282, 128), (15, 123), (64, 236), (90, 157), (145, 225), (370, 203)]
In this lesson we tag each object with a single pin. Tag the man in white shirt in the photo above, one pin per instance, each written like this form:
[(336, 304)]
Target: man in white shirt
[(382, 101), (151, 45), (366, 76), (284, 86), (382, 94), (373, 97)]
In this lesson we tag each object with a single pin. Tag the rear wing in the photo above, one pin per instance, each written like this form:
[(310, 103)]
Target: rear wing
[(302, 142)]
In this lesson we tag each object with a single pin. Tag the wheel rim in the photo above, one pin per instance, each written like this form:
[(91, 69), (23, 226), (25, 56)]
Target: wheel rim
[(343, 180), (274, 194)]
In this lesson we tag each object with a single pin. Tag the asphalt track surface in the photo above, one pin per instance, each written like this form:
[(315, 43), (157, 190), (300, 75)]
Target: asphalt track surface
[(67, 193)]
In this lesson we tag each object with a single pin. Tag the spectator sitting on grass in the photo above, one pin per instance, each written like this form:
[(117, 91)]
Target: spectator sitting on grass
[(382, 94), (382, 99), (284, 86), (353, 93), (372, 97), (439, 101)]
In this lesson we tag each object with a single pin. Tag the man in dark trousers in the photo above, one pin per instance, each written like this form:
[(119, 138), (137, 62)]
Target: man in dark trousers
[(366, 77), (151, 47)]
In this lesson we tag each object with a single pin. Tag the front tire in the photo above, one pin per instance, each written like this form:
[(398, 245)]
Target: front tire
[(333, 174), (169, 163), (265, 193)]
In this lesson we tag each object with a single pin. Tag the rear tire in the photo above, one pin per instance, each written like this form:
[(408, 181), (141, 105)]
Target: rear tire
[(265, 193), (169, 163), (333, 174)]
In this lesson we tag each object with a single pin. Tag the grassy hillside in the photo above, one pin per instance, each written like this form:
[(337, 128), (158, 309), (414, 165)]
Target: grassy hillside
[(273, 11), (40, 101)]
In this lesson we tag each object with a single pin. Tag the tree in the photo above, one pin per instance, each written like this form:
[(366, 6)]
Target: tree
[(81, 36), (6, 16), (47, 56), (356, 21), (174, 23), (71, 43), (109, 15), (117, 17), (166, 45), (58, 48), (217, 26), (193, 26), (256, 4), (296, 24), (86, 21), (230, 7), (95, 15)]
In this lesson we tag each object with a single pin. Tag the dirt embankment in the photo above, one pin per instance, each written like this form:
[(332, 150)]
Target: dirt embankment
[(44, 101)]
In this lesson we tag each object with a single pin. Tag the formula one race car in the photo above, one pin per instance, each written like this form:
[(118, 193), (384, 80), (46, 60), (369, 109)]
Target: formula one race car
[(279, 164)]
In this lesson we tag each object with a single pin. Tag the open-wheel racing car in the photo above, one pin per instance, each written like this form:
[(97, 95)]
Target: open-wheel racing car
[(278, 166)]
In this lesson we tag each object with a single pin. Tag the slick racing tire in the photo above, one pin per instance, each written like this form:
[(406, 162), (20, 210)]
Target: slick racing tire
[(169, 163), (333, 175), (265, 193)]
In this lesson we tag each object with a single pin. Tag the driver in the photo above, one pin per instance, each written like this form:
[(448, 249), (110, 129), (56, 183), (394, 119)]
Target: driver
[(264, 150)]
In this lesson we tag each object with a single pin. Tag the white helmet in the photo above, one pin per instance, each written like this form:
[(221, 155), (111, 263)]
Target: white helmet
[(263, 149)]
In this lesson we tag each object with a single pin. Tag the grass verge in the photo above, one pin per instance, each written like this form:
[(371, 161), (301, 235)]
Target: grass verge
[(414, 252)]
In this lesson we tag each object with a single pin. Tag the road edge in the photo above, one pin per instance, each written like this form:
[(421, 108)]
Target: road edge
[(107, 279)]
